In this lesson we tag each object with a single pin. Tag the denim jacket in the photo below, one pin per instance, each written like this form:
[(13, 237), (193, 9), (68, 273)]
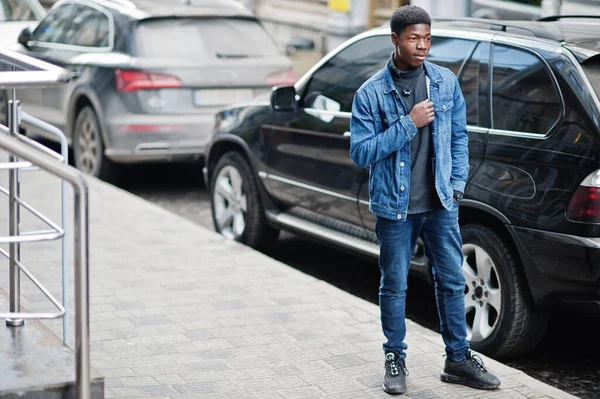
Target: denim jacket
[(381, 131)]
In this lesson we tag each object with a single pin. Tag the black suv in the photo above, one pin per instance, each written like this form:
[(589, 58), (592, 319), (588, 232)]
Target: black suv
[(531, 215)]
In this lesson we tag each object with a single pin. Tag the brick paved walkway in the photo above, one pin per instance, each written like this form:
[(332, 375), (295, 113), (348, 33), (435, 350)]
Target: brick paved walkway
[(179, 312)]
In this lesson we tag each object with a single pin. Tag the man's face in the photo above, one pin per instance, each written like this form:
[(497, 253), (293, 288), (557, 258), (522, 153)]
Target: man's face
[(412, 46)]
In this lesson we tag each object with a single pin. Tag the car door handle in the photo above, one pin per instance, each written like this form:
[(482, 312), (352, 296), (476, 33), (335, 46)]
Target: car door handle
[(347, 134)]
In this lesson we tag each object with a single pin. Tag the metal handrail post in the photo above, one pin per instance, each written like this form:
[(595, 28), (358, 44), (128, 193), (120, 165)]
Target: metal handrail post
[(81, 239), (82, 323), (14, 220)]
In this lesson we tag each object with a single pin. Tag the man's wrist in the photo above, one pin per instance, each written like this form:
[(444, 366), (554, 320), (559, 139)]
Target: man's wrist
[(458, 195)]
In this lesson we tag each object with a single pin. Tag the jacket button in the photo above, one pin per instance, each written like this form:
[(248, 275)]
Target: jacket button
[(402, 188), (399, 217), (385, 120), (402, 164)]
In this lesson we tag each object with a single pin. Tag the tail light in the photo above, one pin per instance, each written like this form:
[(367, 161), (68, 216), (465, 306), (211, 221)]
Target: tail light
[(282, 78), (128, 81), (585, 204)]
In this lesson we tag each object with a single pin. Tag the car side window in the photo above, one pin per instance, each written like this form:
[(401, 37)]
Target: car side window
[(449, 52), (53, 28), (524, 97), (90, 28), (473, 80), (333, 86)]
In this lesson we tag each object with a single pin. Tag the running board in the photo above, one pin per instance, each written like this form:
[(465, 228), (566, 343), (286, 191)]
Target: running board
[(286, 221), (294, 223)]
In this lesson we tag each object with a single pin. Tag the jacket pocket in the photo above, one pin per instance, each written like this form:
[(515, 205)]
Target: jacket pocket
[(443, 114), (390, 117), (378, 185), (443, 106)]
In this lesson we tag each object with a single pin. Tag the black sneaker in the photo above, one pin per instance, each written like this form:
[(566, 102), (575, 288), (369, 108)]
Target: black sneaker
[(470, 372), (394, 379)]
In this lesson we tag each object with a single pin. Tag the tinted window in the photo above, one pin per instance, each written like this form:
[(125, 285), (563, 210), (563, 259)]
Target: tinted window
[(200, 39), (524, 98), (473, 83), (592, 70), (341, 76), (450, 53), (52, 29), (90, 28), (17, 10)]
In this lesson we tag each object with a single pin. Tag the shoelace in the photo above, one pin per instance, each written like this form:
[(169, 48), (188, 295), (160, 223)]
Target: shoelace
[(477, 360), (393, 365)]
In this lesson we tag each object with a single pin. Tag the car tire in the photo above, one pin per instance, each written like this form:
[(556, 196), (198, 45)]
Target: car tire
[(236, 205), (501, 319), (88, 147)]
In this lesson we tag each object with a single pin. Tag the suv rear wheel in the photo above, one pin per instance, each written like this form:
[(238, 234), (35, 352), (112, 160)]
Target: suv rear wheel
[(501, 320), (236, 205), (88, 148)]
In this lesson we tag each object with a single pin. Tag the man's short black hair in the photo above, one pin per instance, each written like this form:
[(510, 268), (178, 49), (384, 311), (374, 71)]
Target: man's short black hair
[(406, 16)]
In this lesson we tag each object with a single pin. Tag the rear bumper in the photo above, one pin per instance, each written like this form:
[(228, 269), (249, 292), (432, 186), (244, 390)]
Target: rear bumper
[(156, 152), (158, 138), (562, 270)]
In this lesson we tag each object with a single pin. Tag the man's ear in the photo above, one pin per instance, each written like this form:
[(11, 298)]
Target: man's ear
[(395, 39)]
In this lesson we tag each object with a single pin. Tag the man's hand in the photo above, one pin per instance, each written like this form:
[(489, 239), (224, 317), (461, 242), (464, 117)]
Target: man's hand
[(422, 114)]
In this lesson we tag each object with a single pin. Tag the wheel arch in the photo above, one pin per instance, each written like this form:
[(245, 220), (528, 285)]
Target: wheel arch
[(81, 98)]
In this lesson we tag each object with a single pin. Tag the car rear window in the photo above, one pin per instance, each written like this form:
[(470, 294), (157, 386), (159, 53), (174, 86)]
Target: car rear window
[(202, 38)]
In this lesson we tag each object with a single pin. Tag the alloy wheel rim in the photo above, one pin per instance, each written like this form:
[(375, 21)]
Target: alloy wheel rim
[(230, 203), (483, 293), (88, 145)]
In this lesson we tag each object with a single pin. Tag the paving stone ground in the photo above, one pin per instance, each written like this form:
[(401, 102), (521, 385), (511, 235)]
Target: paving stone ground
[(177, 311)]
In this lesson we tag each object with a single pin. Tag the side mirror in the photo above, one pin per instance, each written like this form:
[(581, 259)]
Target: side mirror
[(25, 37), (283, 98), (299, 44)]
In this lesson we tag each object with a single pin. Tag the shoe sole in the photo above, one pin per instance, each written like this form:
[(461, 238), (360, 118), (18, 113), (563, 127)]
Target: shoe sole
[(453, 379), (392, 392)]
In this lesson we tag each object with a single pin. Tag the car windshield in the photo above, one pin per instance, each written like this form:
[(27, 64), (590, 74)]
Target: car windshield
[(202, 38), (17, 10), (592, 70)]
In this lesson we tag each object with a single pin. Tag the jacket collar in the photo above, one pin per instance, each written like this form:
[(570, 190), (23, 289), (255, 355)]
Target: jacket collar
[(431, 70)]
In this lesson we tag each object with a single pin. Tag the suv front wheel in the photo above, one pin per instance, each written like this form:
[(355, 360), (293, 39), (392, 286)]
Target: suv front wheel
[(237, 208), (501, 320)]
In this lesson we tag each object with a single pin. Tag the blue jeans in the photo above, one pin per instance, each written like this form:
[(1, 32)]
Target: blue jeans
[(440, 233)]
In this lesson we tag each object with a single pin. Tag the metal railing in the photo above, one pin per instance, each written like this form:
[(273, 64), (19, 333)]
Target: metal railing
[(24, 155)]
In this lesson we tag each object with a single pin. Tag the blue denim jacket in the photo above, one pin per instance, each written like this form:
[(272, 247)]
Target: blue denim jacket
[(381, 131)]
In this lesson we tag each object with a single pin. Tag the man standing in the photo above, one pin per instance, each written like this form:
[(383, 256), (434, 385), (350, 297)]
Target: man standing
[(409, 125)]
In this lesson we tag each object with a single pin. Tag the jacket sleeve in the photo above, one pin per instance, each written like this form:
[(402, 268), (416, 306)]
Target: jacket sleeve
[(368, 146), (459, 145)]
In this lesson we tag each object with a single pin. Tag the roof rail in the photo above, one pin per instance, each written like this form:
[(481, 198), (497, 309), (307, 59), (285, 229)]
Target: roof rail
[(493, 24), (552, 18)]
